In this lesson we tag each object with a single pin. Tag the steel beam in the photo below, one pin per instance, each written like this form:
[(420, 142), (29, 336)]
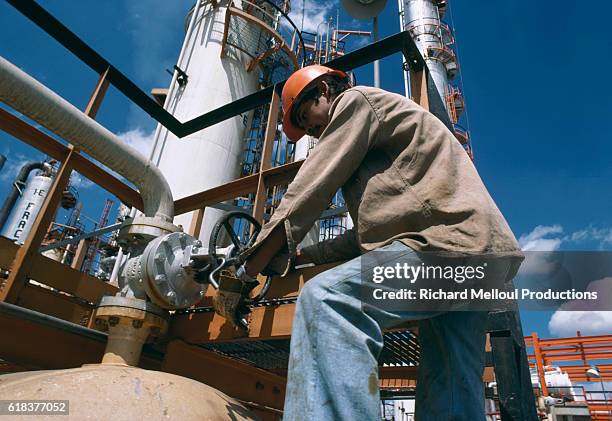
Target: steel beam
[(41, 341), (97, 96), (242, 186), (89, 56), (80, 237), (20, 268), (56, 304), (56, 275), (400, 42), (266, 157), (80, 254), (418, 88), (516, 398)]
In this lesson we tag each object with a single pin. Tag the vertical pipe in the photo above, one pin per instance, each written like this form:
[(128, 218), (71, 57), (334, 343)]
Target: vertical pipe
[(400, 7), (376, 62), (327, 49)]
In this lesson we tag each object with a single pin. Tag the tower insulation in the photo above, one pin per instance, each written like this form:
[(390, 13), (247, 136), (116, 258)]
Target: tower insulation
[(422, 18), (212, 156), (434, 39)]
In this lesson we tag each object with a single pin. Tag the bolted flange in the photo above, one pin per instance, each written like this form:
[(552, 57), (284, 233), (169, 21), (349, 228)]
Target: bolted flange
[(130, 322), (167, 273)]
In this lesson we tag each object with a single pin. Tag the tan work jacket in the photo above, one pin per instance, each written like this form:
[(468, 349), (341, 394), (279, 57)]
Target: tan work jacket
[(404, 176)]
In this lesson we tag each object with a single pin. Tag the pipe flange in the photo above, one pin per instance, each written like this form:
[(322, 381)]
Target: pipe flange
[(167, 274), (140, 313), (134, 303), (142, 230)]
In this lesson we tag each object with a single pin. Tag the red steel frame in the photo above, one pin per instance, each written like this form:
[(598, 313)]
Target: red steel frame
[(575, 356)]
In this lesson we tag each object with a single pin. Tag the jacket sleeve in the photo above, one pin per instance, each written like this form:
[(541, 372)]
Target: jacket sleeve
[(342, 247), (350, 133)]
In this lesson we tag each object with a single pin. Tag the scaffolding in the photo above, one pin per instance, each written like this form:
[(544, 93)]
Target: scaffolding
[(200, 344)]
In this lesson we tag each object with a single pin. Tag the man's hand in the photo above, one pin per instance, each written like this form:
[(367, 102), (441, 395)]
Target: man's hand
[(234, 289), (277, 265)]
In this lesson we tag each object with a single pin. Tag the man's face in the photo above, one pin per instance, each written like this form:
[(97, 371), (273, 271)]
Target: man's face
[(312, 115)]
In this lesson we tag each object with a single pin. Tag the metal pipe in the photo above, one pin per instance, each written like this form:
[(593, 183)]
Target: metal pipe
[(15, 192), (400, 6), (376, 62), (422, 18), (28, 96)]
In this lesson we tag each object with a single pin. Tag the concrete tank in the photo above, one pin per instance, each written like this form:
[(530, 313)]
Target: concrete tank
[(23, 215), (118, 393), (211, 156)]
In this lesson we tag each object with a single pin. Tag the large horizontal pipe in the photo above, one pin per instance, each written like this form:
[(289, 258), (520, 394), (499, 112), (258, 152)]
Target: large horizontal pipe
[(31, 98)]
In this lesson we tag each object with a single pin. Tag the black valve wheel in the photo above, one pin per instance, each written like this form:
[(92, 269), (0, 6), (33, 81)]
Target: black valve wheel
[(225, 225)]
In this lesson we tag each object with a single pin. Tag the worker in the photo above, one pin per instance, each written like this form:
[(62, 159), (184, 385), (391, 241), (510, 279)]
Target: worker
[(410, 188)]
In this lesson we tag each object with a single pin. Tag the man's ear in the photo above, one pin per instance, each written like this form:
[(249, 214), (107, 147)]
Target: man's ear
[(324, 89)]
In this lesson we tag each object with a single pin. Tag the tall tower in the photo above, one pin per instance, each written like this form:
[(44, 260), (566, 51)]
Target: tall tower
[(228, 47), (434, 39)]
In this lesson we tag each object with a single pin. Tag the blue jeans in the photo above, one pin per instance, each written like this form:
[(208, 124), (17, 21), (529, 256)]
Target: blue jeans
[(335, 345)]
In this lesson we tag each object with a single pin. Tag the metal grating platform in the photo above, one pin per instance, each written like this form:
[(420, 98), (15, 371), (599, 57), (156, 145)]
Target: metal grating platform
[(401, 348)]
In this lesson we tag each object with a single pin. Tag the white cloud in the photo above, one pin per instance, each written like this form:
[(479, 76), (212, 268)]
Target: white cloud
[(79, 182), (603, 235), (549, 238), (139, 140), (566, 323), (314, 13), (535, 241)]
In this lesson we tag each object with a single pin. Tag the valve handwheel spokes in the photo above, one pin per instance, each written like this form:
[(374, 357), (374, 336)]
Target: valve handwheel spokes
[(226, 224)]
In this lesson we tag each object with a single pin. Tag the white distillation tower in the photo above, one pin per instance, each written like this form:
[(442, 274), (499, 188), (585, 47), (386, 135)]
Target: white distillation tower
[(433, 37), (212, 156), (422, 18)]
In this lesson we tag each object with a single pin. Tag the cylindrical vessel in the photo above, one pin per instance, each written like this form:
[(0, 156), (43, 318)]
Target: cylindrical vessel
[(22, 218), (211, 156), (118, 392), (422, 19)]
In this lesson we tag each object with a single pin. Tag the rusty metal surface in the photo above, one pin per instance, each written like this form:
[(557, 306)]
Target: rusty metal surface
[(36, 340), (54, 274)]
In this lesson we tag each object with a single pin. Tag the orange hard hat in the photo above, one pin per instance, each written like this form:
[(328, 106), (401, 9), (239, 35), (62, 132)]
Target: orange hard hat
[(295, 86)]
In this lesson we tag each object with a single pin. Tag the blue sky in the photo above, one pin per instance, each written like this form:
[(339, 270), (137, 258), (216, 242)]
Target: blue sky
[(534, 75)]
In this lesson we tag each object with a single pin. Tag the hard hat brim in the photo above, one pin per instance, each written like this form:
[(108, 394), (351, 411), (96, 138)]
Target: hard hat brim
[(294, 133)]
